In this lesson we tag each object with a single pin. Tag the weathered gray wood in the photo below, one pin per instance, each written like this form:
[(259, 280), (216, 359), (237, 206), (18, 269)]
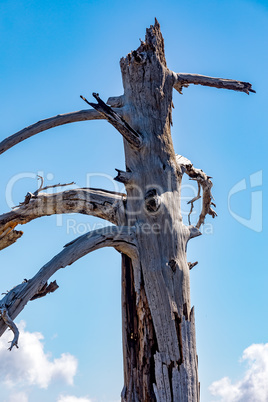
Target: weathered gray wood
[(10, 323), (184, 80), (116, 101), (163, 299), (46, 124), (121, 238), (134, 138), (204, 181), (103, 204), (9, 237)]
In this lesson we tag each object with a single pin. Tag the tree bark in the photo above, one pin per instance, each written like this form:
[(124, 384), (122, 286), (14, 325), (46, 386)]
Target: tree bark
[(160, 362), (107, 205)]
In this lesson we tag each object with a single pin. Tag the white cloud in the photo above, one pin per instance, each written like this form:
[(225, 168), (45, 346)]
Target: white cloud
[(18, 397), (254, 384), (70, 398), (30, 365)]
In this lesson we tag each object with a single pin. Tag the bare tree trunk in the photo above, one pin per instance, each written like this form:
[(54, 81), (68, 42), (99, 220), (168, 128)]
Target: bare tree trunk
[(160, 361), (159, 348)]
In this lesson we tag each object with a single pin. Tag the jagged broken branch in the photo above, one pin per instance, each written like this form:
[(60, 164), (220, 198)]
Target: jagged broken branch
[(46, 289), (107, 205), (10, 323), (122, 238), (43, 188), (192, 202), (204, 181), (192, 264), (116, 120), (184, 80), (29, 196)]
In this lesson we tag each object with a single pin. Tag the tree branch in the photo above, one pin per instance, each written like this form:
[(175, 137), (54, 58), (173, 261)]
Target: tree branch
[(42, 187), (8, 237), (192, 264), (103, 204), (116, 101), (42, 125), (204, 181), (122, 238), (116, 120), (46, 289), (183, 80), (10, 323)]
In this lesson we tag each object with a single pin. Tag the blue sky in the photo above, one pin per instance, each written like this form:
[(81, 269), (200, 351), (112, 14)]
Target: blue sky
[(53, 51)]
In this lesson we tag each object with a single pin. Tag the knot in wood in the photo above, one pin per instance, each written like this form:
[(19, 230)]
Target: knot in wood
[(152, 200), (172, 264)]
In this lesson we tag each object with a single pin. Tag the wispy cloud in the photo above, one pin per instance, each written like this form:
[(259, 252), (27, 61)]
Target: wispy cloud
[(254, 384), (18, 397), (30, 365)]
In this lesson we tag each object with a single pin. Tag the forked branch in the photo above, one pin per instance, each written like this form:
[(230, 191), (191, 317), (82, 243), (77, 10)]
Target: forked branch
[(103, 204), (116, 120), (184, 80), (122, 238), (204, 181)]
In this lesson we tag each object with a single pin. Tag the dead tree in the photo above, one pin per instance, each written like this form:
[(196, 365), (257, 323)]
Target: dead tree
[(159, 348)]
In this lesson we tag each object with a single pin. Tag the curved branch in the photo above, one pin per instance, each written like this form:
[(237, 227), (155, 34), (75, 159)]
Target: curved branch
[(42, 125), (103, 204), (204, 181), (122, 238), (184, 80)]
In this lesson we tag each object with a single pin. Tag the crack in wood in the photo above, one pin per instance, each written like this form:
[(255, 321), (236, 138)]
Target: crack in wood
[(172, 264), (177, 320), (170, 369)]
